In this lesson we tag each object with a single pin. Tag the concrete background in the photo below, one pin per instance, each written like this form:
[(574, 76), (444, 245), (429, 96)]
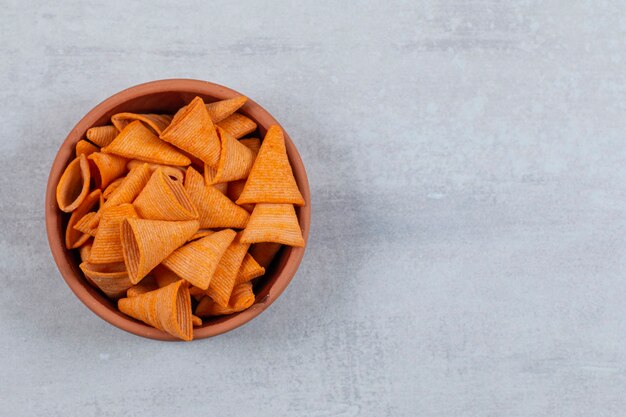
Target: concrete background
[(467, 165)]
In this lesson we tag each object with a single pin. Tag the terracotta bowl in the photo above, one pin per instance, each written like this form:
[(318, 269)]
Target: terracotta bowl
[(166, 96)]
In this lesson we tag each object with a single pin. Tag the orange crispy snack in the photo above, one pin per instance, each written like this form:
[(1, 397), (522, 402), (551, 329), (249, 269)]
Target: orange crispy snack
[(74, 184), (238, 125), (209, 179), (111, 187), (102, 135), (84, 251), (273, 223), (234, 191), (146, 243), (271, 179), (219, 110), (138, 142), (130, 186), (107, 245), (175, 173), (196, 261), (264, 253), (146, 285), (196, 321), (236, 159), (214, 208), (74, 238), (158, 122), (164, 199), (84, 147), (193, 131), (242, 298), (223, 280), (253, 143), (164, 276), (106, 168), (112, 279), (87, 224), (167, 309), (250, 269), (201, 233)]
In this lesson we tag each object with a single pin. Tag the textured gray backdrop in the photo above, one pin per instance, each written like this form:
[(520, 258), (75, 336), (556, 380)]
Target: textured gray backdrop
[(467, 165)]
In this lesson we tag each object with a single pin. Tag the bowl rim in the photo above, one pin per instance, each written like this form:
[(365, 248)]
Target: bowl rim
[(53, 215)]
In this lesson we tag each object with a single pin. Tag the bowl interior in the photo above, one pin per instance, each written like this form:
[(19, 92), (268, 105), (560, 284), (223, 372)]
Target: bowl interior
[(167, 97)]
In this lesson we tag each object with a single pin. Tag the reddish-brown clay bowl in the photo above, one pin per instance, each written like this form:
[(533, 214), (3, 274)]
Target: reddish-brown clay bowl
[(167, 96)]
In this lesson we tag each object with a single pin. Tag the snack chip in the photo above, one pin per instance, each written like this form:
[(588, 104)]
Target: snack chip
[(111, 187), (84, 147), (250, 269), (223, 280), (146, 243), (236, 159), (107, 244), (86, 224), (73, 237), (234, 191), (130, 186), (164, 199), (73, 186), (158, 122), (209, 179), (197, 260), (273, 223), (237, 125), (242, 298), (201, 233), (271, 179), (102, 135), (254, 144), (196, 321), (163, 276), (167, 309), (105, 168), (146, 285), (193, 131), (214, 208), (112, 279), (84, 251), (138, 142), (174, 172), (220, 110)]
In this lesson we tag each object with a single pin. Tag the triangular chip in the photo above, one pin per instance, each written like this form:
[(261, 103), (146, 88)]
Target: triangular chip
[(209, 179), (73, 186), (271, 179), (164, 199), (214, 208), (164, 276), (174, 172), (130, 187), (234, 191), (158, 122), (74, 238), (201, 233), (102, 135), (236, 159), (85, 147), (84, 225), (250, 269), (241, 298), (146, 285), (167, 309), (107, 245), (223, 280), (146, 243), (273, 223), (264, 253), (197, 260), (112, 187), (193, 131), (238, 125), (196, 321), (112, 279), (105, 168), (254, 144), (219, 110), (138, 142)]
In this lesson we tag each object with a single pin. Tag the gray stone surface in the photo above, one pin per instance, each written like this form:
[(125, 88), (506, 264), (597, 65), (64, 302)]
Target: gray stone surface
[(467, 165)]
